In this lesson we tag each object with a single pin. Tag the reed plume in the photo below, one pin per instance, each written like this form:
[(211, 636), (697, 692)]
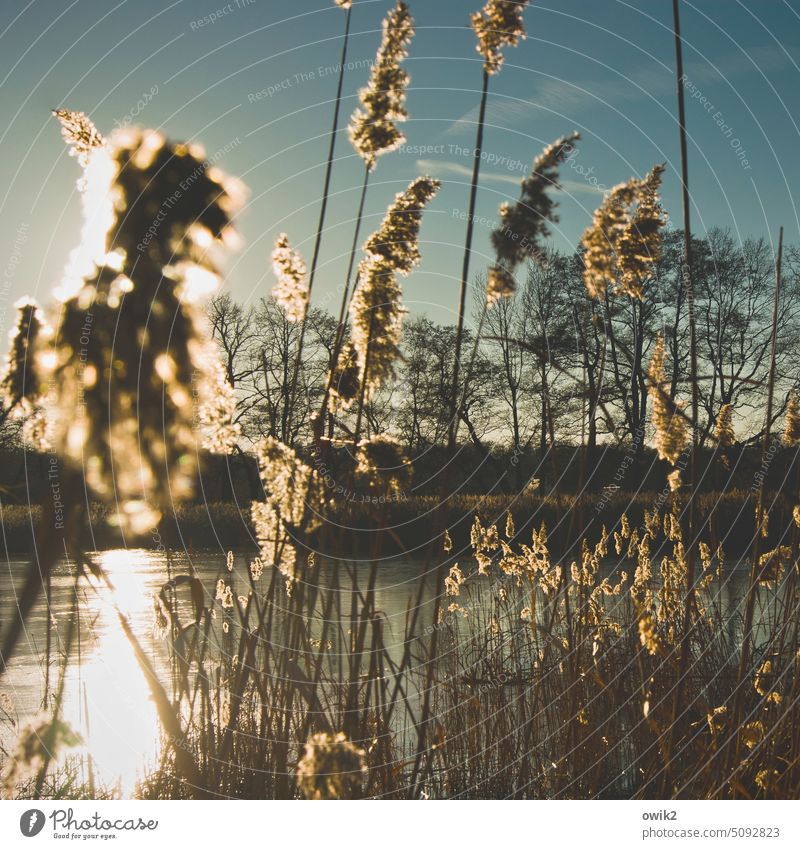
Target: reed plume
[(331, 768), (294, 500), (79, 134), (791, 429), (37, 744), (20, 382), (343, 382), (497, 25), (291, 290), (376, 310), (723, 428), (130, 341), (524, 225), (373, 128), (624, 239), (671, 435), (384, 465), (397, 239)]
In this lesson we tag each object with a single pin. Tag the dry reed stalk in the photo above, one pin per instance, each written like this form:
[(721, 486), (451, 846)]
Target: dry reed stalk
[(687, 281)]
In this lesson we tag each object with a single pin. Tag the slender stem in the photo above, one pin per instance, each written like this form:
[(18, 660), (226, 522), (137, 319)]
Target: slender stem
[(752, 588), (683, 661), (341, 323), (473, 194), (323, 207)]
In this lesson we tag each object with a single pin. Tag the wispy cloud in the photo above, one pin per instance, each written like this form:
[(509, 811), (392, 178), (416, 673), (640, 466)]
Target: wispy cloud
[(651, 81), (443, 168)]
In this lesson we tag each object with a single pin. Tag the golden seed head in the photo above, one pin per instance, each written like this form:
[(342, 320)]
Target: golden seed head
[(331, 768), (497, 25), (524, 224), (724, 426), (791, 432), (671, 434), (291, 289), (383, 463), (373, 129), (624, 240)]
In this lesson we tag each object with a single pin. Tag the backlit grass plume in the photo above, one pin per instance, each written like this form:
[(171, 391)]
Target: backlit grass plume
[(344, 383), (20, 383), (80, 134), (376, 310), (39, 741), (130, 343), (294, 498), (291, 290), (331, 768), (397, 239), (523, 225), (497, 25), (383, 463), (373, 129), (723, 428), (376, 313), (671, 434), (791, 430), (624, 239)]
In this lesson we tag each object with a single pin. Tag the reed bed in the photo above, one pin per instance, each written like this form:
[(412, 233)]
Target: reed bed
[(574, 653)]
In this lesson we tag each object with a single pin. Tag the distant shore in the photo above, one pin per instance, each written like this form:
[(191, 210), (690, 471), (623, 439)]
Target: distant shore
[(413, 525)]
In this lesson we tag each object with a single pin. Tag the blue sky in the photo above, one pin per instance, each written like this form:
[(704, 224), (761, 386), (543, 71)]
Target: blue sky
[(604, 68)]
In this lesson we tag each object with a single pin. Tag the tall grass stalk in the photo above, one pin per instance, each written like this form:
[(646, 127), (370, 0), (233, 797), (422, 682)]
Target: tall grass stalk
[(462, 300), (323, 205), (755, 563), (689, 602)]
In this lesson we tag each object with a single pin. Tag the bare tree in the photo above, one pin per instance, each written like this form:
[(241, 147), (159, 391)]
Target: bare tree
[(735, 301)]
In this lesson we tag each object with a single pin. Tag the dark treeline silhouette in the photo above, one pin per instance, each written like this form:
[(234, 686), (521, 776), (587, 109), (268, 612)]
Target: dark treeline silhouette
[(554, 370), (558, 378)]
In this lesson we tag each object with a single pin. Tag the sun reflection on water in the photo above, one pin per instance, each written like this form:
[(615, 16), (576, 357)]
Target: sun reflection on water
[(106, 696)]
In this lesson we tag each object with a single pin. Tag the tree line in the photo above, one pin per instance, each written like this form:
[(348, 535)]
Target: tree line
[(552, 366)]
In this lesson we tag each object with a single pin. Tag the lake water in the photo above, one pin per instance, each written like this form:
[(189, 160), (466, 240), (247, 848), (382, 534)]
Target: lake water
[(105, 696)]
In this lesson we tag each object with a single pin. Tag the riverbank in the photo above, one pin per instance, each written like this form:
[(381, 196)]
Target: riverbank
[(413, 525)]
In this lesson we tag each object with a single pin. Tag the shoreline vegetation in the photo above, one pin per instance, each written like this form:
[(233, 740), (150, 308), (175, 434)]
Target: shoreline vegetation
[(527, 672), (406, 525)]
